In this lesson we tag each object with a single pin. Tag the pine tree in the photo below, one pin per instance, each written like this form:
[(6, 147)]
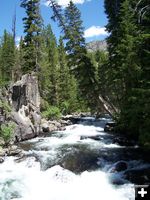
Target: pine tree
[(7, 57), (63, 73), (67, 84), (49, 67), (143, 91), (19, 60), (78, 59), (32, 29), (75, 42), (128, 62)]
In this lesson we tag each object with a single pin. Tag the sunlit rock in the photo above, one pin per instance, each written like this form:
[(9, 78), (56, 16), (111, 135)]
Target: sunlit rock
[(25, 100)]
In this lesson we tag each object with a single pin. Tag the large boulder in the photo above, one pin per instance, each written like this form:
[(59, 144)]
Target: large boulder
[(50, 126), (25, 92), (25, 101), (119, 166)]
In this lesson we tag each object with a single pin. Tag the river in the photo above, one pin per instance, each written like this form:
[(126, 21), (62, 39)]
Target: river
[(75, 164)]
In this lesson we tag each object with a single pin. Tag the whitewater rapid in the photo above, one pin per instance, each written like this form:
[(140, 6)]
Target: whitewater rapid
[(27, 180)]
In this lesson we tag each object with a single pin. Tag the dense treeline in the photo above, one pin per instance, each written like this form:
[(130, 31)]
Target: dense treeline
[(62, 69), (129, 65), (71, 78)]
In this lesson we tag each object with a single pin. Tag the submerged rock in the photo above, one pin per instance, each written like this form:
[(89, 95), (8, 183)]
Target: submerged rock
[(1, 160), (79, 159), (110, 126), (119, 166), (122, 141), (95, 137)]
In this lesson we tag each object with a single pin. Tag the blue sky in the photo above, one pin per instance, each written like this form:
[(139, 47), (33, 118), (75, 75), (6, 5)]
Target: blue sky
[(92, 13)]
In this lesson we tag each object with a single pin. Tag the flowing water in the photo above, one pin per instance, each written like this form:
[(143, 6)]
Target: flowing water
[(68, 165)]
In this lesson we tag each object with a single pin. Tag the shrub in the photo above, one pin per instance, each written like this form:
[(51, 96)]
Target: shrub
[(65, 107), (44, 105), (52, 112), (5, 106), (6, 131)]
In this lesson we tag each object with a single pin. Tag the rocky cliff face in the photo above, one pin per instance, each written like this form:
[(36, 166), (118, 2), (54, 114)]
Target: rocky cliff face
[(25, 101), (97, 45)]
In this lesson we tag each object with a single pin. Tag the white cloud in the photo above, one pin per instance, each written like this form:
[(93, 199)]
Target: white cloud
[(64, 3), (95, 31)]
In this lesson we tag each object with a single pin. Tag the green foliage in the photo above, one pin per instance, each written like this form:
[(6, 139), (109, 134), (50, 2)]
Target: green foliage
[(79, 63), (6, 131), (52, 112), (49, 73), (5, 106), (7, 58), (75, 42), (44, 105), (32, 39), (128, 72), (65, 107)]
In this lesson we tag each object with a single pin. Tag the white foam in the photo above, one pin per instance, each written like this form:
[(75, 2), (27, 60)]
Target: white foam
[(28, 182), (57, 183)]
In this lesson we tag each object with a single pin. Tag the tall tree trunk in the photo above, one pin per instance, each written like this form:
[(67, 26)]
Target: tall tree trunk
[(108, 107)]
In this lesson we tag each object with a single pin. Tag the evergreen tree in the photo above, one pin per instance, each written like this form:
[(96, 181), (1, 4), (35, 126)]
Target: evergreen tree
[(19, 60), (78, 59), (7, 57), (128, 62), (75, 42), (63, 73), (67, 84), (143, 91), (32, 29), (49, 67)]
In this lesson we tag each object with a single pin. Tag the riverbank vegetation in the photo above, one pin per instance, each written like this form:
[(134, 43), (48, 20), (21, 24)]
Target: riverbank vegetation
[(71, 79)]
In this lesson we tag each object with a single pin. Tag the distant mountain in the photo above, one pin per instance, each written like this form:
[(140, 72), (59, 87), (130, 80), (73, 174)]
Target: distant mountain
[(97, 45)]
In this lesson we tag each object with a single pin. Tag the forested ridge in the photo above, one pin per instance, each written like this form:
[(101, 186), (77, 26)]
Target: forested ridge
[(71, 79)]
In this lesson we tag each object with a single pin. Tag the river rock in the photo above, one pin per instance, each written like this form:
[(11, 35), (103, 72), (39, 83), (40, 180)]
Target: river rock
[(94, 137), (65, 122), (45, 126), (122, 141), (13, 150), (50, 126), (110, 126), (2, 152), (1, 160), (119, 166), (79, 159)]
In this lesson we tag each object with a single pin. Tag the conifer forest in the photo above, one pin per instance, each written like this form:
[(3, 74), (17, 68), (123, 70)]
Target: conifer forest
[(74, 99)]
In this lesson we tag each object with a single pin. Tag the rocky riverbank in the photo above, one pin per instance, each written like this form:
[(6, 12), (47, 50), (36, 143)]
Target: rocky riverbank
[(20, 105), (47, 127)]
